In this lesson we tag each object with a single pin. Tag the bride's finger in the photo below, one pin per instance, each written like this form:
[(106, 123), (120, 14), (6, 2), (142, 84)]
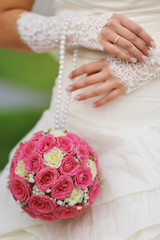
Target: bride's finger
[(87, 69), (88, 81), (115, 93), (136, 41), (113, 49), (96, 91), (130, 47), (136, 29)]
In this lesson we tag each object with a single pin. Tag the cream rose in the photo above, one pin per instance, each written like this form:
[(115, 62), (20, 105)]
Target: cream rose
[(53, 158), (91, 164), (57, 133), (20, 169), (76, 196)]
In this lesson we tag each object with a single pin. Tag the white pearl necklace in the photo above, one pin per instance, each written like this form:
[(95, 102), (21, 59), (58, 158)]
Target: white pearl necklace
[(61, 116)]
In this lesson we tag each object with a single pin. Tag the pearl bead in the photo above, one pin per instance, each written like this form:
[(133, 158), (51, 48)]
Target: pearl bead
[(59, 96), (58, 101), (62, 51), (62, 42), (57, 106), (59, 91), (60, 72), (59, 86), (57, 111), (57, 116), (61, 61), (56, 121), (61, 67), (62, 48), (62, 126), (63, 37)]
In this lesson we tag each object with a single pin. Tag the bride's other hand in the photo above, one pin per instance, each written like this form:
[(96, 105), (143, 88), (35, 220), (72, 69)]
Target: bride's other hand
[(97, 74), (129, 36)]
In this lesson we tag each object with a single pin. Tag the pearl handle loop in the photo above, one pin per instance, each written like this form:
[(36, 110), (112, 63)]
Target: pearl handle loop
[(61, 115)]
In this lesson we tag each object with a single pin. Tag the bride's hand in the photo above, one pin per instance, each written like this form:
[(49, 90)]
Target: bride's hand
[(97, 73), (129, 36)]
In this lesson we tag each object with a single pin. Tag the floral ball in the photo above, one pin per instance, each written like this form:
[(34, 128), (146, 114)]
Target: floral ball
[(54, 175)]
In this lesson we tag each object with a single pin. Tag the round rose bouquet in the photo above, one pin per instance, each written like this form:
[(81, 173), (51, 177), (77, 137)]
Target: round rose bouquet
[(54, 175)]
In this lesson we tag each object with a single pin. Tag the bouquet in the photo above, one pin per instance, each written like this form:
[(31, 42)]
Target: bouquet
[(54, 175)]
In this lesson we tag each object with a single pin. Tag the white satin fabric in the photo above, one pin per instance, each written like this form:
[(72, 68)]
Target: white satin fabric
[(126, 135)]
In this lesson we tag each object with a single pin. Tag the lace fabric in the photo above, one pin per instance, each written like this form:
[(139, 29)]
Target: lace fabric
[(135, 75), (42, 33)]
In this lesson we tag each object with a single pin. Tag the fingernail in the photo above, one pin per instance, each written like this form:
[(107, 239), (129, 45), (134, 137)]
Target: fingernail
[(77, 97), (144, 58), (133, 59), (149, 53), (152, 43), (94, 105), (69, 88)]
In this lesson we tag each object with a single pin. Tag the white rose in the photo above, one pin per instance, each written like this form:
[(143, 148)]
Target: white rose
[(53, 158), (76, 196), (20, 169), (91, 164), (57, 133)]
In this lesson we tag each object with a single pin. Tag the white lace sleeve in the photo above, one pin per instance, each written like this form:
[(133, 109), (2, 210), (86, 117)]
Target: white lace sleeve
[(42, 33), (135, 75)]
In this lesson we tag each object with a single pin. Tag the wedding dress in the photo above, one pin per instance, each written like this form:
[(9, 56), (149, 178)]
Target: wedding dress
[(126, 135)]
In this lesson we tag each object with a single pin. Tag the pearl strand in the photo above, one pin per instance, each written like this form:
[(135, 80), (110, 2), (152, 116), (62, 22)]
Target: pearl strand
[(60, 123), (68, 94)]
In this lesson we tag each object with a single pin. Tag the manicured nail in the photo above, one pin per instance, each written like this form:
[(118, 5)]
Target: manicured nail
[(69, 88), (144, 58), (134, 60), (149, 53), (94, 105), (152, 43), (77, 97)]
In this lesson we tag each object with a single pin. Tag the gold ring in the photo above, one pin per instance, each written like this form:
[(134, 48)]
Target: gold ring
[(116, 39)]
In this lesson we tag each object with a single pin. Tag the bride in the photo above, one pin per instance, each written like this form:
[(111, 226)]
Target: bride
[(115, 106)]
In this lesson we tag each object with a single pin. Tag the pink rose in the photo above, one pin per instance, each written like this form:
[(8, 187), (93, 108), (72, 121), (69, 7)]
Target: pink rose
[(94, 191), (46, 143), (62, 187), (34, 163), (12, 168), (27, 209), (28, 149), (65, 144), (69, 166), (37, 135), (19, 189), (18, 150), (46, 177), (15, 160), (82, 152), (83, 178), (74, 138), (66, 212), (83, 208), (41, 204), (48, 216)]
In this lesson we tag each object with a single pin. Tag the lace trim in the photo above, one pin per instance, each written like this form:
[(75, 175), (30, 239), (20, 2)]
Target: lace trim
[(88, 30), (135, 75), (42, 33)]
